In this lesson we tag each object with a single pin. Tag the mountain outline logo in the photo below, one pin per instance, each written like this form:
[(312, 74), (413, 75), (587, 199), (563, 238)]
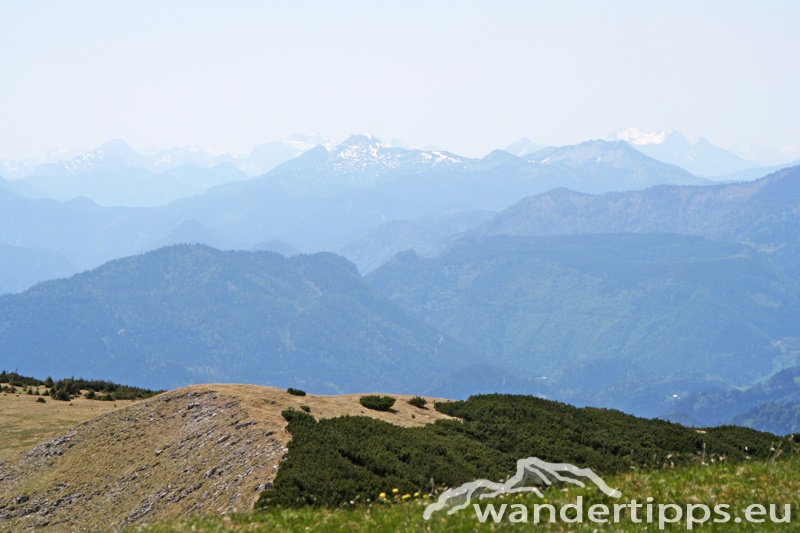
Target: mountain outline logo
[(527, 470)]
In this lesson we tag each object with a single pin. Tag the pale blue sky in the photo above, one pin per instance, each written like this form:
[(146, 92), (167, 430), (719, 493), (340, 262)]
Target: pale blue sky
[(468, 76)]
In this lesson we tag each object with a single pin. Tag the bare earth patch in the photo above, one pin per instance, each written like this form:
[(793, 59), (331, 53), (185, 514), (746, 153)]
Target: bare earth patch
[(194, 451)]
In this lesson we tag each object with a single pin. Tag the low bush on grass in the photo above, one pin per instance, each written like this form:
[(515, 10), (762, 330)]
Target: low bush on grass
[(418, 401), (61, 395), (377, 403), (296, 392)]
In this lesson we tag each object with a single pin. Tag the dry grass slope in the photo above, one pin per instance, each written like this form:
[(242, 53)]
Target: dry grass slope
[(195, 451), (24, 422)]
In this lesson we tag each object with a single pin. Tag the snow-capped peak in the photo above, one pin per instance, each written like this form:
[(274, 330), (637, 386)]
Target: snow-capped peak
[(366, 154), (638, 137)]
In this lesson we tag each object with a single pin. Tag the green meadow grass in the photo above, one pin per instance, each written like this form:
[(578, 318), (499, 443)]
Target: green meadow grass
[(738, 485)]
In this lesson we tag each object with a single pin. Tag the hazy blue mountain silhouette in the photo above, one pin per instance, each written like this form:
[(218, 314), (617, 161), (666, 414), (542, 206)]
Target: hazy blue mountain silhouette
[(299, 200), (491, 182), (762, 214), (375, 247), (125, 185), (193, 232), (21, 267), (619, 320), (523, 147), (276, 245), (702, 158), (192, 314), (772, 405), (755, 173)]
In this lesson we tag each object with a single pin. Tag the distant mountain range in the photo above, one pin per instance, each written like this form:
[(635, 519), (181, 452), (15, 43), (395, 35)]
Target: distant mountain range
[(119, 184), (761, 214), (192, 314), (193, 232), (701, 159), (321, 200), (719, 405), (618, 320), (491, 182), (375, 247), (523, 147), (639, 322), (23, 267), (744, 162), (117, 175), (643, 299), (117, 154)]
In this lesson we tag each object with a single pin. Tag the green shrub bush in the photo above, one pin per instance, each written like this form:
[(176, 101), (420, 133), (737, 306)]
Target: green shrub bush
[(377, 403), (61, 395), (296, 392), (355, 458), (418, 401), (40, 400), (305, 408)]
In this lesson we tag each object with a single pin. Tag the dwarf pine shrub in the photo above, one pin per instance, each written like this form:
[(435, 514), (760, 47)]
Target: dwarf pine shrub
[(377, 403), (418, 401), (61, 395), (357, 458)]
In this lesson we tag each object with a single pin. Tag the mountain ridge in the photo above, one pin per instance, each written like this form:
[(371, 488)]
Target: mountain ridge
[(190, 313), (702, 158), (759, 213), (624, 321)]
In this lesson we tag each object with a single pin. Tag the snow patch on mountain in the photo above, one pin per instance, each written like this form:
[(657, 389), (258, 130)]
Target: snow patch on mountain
[(19, 168), (638, 137), (368, 156)]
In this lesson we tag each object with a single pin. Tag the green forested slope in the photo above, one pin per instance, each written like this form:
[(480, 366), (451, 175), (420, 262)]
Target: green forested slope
[(625, 321), (778, 418), (187, 314), (716, 405)]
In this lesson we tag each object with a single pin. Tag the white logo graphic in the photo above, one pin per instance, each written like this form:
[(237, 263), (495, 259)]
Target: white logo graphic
[(529, 470)]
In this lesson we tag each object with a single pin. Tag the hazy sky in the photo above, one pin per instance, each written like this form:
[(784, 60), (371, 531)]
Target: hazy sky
[(467, 76)]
